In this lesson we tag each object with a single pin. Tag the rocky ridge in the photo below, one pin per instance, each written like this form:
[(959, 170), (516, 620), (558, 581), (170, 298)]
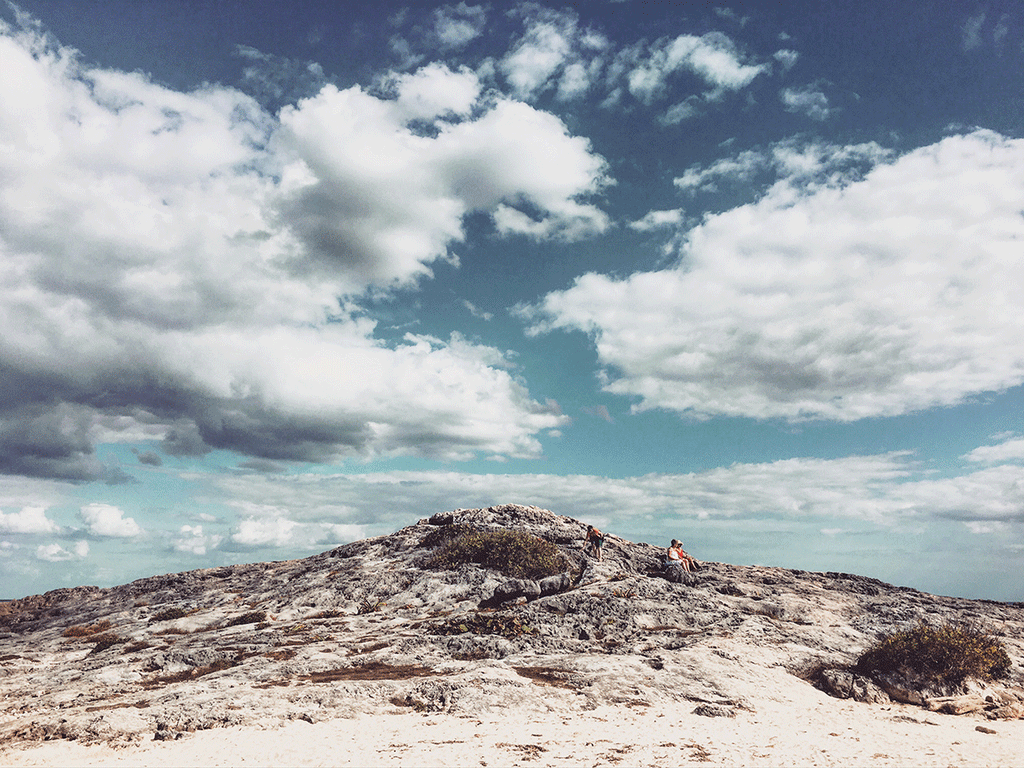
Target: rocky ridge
[(372, 626)]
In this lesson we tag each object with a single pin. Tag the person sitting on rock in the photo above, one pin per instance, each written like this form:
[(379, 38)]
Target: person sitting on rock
[(595, 541), (678, 557)]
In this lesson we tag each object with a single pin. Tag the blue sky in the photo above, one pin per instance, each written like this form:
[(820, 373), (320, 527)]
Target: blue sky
[(279, 276)]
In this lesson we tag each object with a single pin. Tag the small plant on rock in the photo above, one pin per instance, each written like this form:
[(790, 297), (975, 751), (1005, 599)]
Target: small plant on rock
[(170, 614), (510, 552), (947, 654), (104, 641), (503, 624), (253, 617), (371, 606), (86, 630)]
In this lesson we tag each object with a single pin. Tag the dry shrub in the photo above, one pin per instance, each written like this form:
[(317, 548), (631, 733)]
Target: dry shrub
[(948, 654), (253, 617), (104, 641), (330, 614), (169, 614), (375, 670), (189, 674), (86, 630), (513, 553)]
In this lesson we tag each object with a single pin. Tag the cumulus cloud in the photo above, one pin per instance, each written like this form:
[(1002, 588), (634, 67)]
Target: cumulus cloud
[(28, 520), (181, 267), (108, 521), (846, 297)]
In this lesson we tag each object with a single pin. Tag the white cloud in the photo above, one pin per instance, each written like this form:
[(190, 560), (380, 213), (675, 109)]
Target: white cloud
[(55, 553), (539, 54), (165, 255), (554, 53), (881, 490), (1008, 450), (653, 220), (109, 521), (475, 311), (713, 57), (972, 31), (192, 540), (277, 531), (457, 25), (786, 58), (809, 100), (980, 529), (435, 91), (742, 167), (834, 298), (369, 194), (28, 520)]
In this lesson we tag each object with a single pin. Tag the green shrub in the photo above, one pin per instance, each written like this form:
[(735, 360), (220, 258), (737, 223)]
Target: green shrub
[(513, 553), (948, 654), (370, 606)]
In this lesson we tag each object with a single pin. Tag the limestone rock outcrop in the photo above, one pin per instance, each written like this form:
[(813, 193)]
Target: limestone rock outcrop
[(376, 626)]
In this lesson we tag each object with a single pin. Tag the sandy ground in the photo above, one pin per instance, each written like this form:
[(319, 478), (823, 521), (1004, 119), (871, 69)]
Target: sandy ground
[(789, 733)]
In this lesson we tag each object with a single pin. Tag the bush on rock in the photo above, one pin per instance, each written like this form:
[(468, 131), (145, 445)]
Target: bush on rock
[(513, 553), (947, 654)]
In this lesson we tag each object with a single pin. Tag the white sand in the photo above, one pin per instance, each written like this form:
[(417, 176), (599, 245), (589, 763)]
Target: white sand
[(811, 730)]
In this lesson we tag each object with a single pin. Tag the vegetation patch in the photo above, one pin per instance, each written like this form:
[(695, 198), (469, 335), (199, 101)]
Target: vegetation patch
[(287, 653), (375, 670), (504, 624), (370, 606), (104, 641), (253, 617), (516, 554), (86, 630), (189, 674), (171, 631), (331, 614), (948, 654), (169, 614), (558, 678)]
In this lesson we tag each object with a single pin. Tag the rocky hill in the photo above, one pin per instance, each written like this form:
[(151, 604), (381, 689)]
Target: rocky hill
[(386, 624)]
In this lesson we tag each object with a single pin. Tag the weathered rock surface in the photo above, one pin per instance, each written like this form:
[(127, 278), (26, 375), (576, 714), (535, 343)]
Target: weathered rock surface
[(370, 627)]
